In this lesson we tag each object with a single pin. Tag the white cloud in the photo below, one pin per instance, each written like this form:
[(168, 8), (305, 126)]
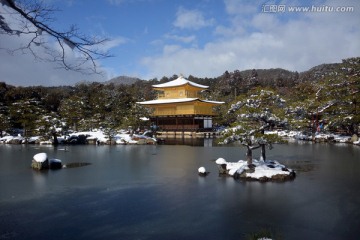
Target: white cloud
[(291, 41), (191, 19), (112, 43), (215, 58), (234, 7), (266, 22), (184, 39), (171, 49)]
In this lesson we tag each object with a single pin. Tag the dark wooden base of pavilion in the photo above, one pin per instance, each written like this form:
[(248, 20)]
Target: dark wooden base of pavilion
[(184, 123)]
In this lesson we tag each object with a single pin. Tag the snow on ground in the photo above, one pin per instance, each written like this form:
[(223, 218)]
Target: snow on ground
[(34, 139), (6, 139), (263, 169), (123, 137), (321, 137), (120, 138), (100, 136), (10, 139), (97, 135)]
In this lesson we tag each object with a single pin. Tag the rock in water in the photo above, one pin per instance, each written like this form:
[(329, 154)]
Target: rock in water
[(202, 171), (220, 161), (222, 166), (40, 161), (40, 157), (55, 164)]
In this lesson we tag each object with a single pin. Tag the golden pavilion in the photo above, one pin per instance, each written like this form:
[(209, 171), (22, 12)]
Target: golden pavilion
[(179, 108)]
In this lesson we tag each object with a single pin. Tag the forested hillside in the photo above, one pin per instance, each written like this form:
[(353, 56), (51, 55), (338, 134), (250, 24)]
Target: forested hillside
[(326, 94)]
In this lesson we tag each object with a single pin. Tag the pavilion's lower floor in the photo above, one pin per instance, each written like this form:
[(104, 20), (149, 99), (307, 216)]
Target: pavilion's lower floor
[(182, 123)]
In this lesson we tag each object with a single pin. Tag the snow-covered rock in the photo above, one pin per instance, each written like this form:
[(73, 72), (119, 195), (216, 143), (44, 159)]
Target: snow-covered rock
[(34, 139), (12, 140), (302, 136), (61, 139), (6, 139), (46, 142), (102, 138), (322, 137), (202, 171), (121, 141), (342, 139), (40, 161), (122, 138), (40, 157), (220, 161), (259, 170)]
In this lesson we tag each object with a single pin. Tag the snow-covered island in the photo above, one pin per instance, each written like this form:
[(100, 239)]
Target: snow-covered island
[(260, 170)]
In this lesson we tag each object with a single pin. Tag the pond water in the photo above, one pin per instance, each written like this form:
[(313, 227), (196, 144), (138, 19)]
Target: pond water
[(154, 192)]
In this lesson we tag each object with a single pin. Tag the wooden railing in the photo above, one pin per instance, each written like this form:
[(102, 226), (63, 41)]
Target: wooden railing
[(180, 127), (174, 112)]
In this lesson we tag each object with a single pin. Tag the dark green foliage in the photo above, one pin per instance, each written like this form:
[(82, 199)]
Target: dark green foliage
[(40, 110)]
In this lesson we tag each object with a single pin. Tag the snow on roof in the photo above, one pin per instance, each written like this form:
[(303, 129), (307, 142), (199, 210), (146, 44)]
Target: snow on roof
[(176, 100), (179, 82)]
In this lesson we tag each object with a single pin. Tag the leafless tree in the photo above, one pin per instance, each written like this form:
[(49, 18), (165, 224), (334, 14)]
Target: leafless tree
[(31, 19)]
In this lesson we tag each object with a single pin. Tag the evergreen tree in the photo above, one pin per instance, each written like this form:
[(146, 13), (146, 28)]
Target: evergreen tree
[(256, 111)]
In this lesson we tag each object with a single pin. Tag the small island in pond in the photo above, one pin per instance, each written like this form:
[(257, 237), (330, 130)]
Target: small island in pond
[(260, 170)]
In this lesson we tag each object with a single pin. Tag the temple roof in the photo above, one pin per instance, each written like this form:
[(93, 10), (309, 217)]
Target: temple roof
[(180, 81), (177, 100)]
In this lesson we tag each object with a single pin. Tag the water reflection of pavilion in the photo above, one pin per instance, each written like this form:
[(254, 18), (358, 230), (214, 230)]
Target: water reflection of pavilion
[(190, 141)]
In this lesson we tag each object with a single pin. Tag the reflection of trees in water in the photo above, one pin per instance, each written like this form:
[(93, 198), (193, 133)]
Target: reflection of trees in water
[(302, 166), (76, 164), (189, 141)]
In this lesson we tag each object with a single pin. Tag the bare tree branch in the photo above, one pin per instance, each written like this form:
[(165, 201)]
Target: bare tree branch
[(33, 19)]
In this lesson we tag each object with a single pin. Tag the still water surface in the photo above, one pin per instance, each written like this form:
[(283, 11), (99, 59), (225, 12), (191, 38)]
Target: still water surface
[(154, 192)]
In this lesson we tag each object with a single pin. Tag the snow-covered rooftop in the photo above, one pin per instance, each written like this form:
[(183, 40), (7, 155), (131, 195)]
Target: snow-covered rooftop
[(179, 82), (176, 100)]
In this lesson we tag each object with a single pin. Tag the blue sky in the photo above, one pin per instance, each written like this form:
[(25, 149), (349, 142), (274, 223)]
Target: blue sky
[(203, 38)]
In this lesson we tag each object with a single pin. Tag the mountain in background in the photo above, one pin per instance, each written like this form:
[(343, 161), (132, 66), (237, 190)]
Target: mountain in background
[(265, 77), (121, 80), (125, 80)]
